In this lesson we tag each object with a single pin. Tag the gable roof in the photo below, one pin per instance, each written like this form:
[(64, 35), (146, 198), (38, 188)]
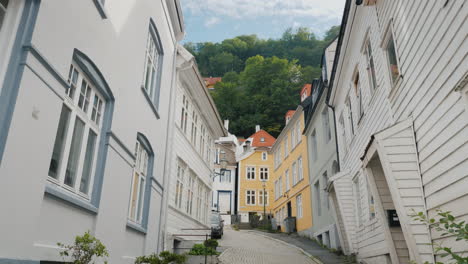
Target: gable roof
[(269, 140)]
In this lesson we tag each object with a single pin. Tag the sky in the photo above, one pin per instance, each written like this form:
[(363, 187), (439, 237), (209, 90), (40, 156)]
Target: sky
[(216, 20)]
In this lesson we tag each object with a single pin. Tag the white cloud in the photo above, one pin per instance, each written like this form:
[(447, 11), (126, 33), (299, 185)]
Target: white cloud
[(241, 9), (211, 21)]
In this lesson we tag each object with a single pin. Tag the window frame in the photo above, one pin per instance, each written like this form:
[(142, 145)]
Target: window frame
[(299, 209), (152, 93), (250, 175), (286, 178), (326, 124), (357, 199), (370, 65), (250, 194), (264, 173), (300, 170), (294, 173), (260, 198), (390, 35), (264, 155)]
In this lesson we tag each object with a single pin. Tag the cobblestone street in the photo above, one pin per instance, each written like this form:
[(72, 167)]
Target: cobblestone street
[(244, 247)]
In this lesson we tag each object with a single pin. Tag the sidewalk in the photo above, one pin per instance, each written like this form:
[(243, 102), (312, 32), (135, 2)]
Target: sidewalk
[(309, 246)]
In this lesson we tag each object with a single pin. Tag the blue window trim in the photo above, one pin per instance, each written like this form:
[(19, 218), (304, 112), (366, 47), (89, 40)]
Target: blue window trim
[(100, 8), (15, 69), (64, 195), (144, 142), (150, 102), (154, 102)]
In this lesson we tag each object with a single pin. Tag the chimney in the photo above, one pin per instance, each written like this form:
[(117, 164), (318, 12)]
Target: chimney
[(226, 124), (257, 128)]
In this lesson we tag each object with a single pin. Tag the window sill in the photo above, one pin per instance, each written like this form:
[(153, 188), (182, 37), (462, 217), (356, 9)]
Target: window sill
[(66, 196), (152, 106), (136, 227), (100, 9)]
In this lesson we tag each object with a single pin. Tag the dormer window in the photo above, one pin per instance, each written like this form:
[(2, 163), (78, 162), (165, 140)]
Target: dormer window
[(262, 139)]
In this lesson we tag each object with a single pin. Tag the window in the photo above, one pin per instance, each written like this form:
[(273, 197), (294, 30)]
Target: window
[(199, 200), (184, 114), (190, 188), (350, 115), (179, 185), (370, 66), (3, 9), (250, 198), (277, 194), (392, 58), (293, 138), (250, 173), (299, 206), (293, 173), (264, 156), (263, 173), (153, 60), (357, 200), (314, 145), (194, 128), (74, 152), (206, 208), (260, 197), (280, 184), (286, 150), (262, 139), (317, 197), (225, 176), (357, 89), (201, 148), (286, 178), (299, 133), (326, 124), (325, 195), (139, 183), (343, 134), (300, 175)]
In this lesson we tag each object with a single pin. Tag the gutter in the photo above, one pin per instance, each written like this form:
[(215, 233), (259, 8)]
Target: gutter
[(336, 136)]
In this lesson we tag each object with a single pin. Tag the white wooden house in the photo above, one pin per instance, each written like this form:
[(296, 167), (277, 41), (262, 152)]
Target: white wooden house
[(398, 88), (85, 91)]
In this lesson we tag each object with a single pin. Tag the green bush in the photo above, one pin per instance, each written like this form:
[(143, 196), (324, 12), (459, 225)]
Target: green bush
[(85, 249), (164, 257), (448, 226), (211, 243), (201, 250), (254, 220)]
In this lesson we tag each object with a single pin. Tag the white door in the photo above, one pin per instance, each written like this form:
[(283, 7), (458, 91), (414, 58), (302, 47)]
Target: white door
[(224, 202)]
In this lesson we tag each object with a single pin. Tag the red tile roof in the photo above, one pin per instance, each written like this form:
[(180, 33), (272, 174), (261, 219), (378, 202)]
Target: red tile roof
[(290, 113), (269, 140), (211, 81), (306, 89)]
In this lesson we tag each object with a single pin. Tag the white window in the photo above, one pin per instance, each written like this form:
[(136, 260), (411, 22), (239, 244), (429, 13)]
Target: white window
[(326, 124), (299, 133), (262, 139), (286, 149), (294, 173), (190, 187), (276, 190), (357, 199), (280, 184), (350, 115), (299, 206), (325, 194), (357, 89), (199, 200), (317, 197), (137, 196), (206, 208), (300, 174), (370, 66), (152, 67), (342, 132), (392, 58), (3, 9), (314, 145), (194, 128), (179, 185), (225, 176), (260, 197), (250, 173), (75, 147), (250, 197), (286, 178), (201, 148), (264, 174), (184, 114), (264, 156), (293, 138)]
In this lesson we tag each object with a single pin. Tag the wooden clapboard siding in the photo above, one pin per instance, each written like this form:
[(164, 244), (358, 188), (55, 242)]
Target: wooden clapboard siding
[(345, 211), (340, 222)]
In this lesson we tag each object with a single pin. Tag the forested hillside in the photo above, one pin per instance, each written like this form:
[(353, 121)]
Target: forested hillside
[(261, 78)]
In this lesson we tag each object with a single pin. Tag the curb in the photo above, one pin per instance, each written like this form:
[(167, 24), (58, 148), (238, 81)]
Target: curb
[(313, 258)]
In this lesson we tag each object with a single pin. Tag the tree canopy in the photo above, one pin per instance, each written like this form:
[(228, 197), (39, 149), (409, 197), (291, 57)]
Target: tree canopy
[(261, 78)]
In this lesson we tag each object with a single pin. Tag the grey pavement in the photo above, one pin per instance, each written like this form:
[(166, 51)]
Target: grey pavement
[(307, 245), (247, 247)]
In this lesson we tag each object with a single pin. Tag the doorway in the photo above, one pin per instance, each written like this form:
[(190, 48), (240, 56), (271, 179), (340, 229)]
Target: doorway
[(289, 209)]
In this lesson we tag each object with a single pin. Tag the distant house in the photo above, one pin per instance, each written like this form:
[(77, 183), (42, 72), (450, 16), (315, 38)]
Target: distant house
[(211, 81)]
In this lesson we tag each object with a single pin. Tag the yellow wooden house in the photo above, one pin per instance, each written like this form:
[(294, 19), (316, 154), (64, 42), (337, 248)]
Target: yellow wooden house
[(255, 168), (290, 176)]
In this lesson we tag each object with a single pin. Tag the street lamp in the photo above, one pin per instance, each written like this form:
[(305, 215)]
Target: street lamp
[(264, 202), (222, 163)]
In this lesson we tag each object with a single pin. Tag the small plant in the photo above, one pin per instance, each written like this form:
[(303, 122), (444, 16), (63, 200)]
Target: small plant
[(254, 220), (211, 243), (448, 226), (85, 249), (164, 257), (201, 250), (235, 227)]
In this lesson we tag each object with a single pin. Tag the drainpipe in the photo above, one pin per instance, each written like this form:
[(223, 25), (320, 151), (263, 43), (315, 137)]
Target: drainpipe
[(336, 137)]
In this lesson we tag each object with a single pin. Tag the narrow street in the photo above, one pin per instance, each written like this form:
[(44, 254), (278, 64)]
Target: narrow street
[(247, 247)]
